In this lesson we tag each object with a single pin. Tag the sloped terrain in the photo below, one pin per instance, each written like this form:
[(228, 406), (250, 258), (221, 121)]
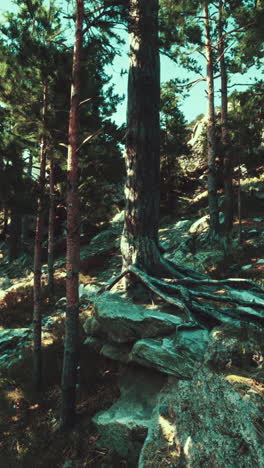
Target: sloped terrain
[(25, 420)]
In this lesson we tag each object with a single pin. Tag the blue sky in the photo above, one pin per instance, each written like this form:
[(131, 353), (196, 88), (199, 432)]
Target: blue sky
[(191, 106), (195, 104)]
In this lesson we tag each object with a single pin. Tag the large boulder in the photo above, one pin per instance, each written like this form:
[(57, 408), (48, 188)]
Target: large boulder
[(203, 423), (124, 321), (123, 427), (180, 355), (200, 225)]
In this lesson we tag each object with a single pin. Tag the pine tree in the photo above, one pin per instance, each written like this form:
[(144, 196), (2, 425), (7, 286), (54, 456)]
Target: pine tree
[(71, 344), (184, 288), (51, 229), (139, 243), (211, 136), (37, 356), (227, 161)]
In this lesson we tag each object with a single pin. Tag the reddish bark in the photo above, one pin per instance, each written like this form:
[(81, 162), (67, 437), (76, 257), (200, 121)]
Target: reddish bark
[(37, 357), (211, 142), (71, 343)]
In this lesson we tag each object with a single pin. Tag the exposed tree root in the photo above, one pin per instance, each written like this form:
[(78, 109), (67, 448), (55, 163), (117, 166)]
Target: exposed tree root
[(193, 295), (231, 282)]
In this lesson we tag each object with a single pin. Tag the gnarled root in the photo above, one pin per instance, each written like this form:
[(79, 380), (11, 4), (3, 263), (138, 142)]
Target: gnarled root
[(200, 298)]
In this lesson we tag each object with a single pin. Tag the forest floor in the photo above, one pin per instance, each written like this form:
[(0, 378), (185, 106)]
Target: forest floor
[(29, 424)]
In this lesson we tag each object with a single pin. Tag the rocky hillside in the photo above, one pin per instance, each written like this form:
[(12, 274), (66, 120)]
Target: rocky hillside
[(153, 392)]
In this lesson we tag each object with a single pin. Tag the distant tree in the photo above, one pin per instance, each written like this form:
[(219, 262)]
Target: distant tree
[(51, 227), (235, 44), (174, 138), (246, 125)]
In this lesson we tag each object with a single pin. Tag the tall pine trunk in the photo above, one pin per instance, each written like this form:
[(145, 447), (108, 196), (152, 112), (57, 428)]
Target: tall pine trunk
[(211, 141), (71, 343), (37, 353), (227, 161), (51, 230), (139, 244)]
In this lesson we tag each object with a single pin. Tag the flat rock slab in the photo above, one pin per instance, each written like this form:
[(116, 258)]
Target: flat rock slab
[(203, 423), (124, 321), (124, 426), (180, 355)]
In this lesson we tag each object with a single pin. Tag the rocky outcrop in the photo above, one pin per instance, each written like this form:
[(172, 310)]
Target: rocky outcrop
[(131, 333), (180, 355), (125, 322), (200, 418), (203, 423)]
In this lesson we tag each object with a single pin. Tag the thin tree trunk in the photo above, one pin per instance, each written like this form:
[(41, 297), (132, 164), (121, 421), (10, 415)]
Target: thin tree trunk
[(51, 231), (14, 239), (71, 343), (227, 162), (139, 243), (211, 143), (239, 200), (37, 355), (5, 226), (25, 220)]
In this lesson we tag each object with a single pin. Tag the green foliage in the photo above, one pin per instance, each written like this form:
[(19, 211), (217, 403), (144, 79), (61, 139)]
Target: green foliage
[(35, 51), (246, 125)]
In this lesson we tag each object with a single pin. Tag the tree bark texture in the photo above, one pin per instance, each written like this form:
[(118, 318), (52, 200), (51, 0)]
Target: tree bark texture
[(227, 162), (71, 343), (37, 355), (211, 141), (139, 243), (51, 230)]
